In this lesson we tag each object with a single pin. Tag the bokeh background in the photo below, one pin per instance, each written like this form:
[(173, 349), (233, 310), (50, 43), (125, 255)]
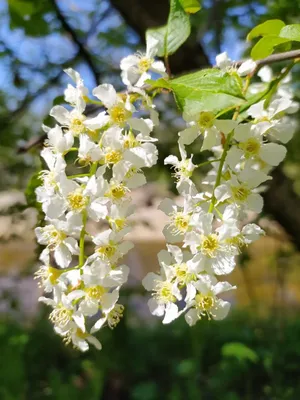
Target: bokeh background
[(255, 352)]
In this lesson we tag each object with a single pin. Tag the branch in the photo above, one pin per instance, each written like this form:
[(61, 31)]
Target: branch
[(81, 47), (288, 55)]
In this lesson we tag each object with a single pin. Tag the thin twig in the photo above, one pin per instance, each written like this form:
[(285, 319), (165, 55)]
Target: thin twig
[(288, 55), (84, 52)]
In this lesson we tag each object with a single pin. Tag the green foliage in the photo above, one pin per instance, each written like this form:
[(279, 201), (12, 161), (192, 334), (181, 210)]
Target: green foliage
[(270, 27), (265, 46), (29, 15), (240, 351), (208, 89), (178, 363), (191, 6), (34, 182), (291, 32), (275, 34), (172, 35)]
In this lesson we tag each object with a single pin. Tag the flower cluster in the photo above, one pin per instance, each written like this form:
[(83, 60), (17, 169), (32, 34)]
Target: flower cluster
[(209, 224), (111, 149)]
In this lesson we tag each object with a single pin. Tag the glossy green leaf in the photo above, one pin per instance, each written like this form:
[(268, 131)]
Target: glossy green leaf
[(191, 6), (172, 35), (158, 83), (291, 32), (270, 27), (265, 46), (239, 351), (209, 90)]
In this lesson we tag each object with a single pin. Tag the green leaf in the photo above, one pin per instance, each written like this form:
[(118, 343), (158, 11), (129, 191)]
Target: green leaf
[(209, 90), (158, 83), (265, 46), (239, 351), (270, 27), (291, 32), (28, 15), (191, 6), (34, 182), (172, 35)]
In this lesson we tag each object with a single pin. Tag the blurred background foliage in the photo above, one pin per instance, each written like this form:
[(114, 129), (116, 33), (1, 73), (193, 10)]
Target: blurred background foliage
[(251, 355)]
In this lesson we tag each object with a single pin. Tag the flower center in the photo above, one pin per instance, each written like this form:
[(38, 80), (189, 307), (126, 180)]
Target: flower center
[(209, 245), (61, 316), (53, 236), (117, 192), (180, 222), (77, 125), (107, 251), (115, 315), (119, 114), (130, 141), (204, 303), (77, 201), (113, 156), (251, 147), (144, 64), (240, 193), (163, 292), (96, 292), (206, 119)]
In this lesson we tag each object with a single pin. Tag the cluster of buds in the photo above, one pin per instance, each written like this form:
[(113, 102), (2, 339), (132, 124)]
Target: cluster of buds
[(113, 147), (206, 233)]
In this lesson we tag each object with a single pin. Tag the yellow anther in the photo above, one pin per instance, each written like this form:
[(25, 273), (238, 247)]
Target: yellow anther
[(206, 119), (209, 245), (77, 201)]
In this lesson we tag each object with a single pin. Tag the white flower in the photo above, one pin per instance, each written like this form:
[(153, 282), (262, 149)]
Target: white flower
[(58, 141), (72, 120), (75, 95), (223, 61), (88, 151), (206, 124), (135, 67), (118, 111), (183, 169), (65, 312), (78, 338), (247, 67), (165, 295), (55, 236), (110, 245), (239, 189), (252, 147), (215, 254), (206, 303)]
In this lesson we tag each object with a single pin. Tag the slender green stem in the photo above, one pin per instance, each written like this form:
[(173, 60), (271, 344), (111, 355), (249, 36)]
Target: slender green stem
[(84, 220), (219, 174), (208, 162), (77, 176), (82, 239), (91, 101)]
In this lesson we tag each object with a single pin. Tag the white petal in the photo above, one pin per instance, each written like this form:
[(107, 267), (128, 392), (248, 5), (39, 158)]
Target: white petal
[(155, 308), (150, 281), (273, 153), (255, 202), (107, 94), (171, 313), (221, 311), (61, 114), (188, 135), (191, 317)]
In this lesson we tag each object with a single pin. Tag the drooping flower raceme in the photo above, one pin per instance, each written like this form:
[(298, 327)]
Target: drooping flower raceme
[(113, 148), (209, 226)]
